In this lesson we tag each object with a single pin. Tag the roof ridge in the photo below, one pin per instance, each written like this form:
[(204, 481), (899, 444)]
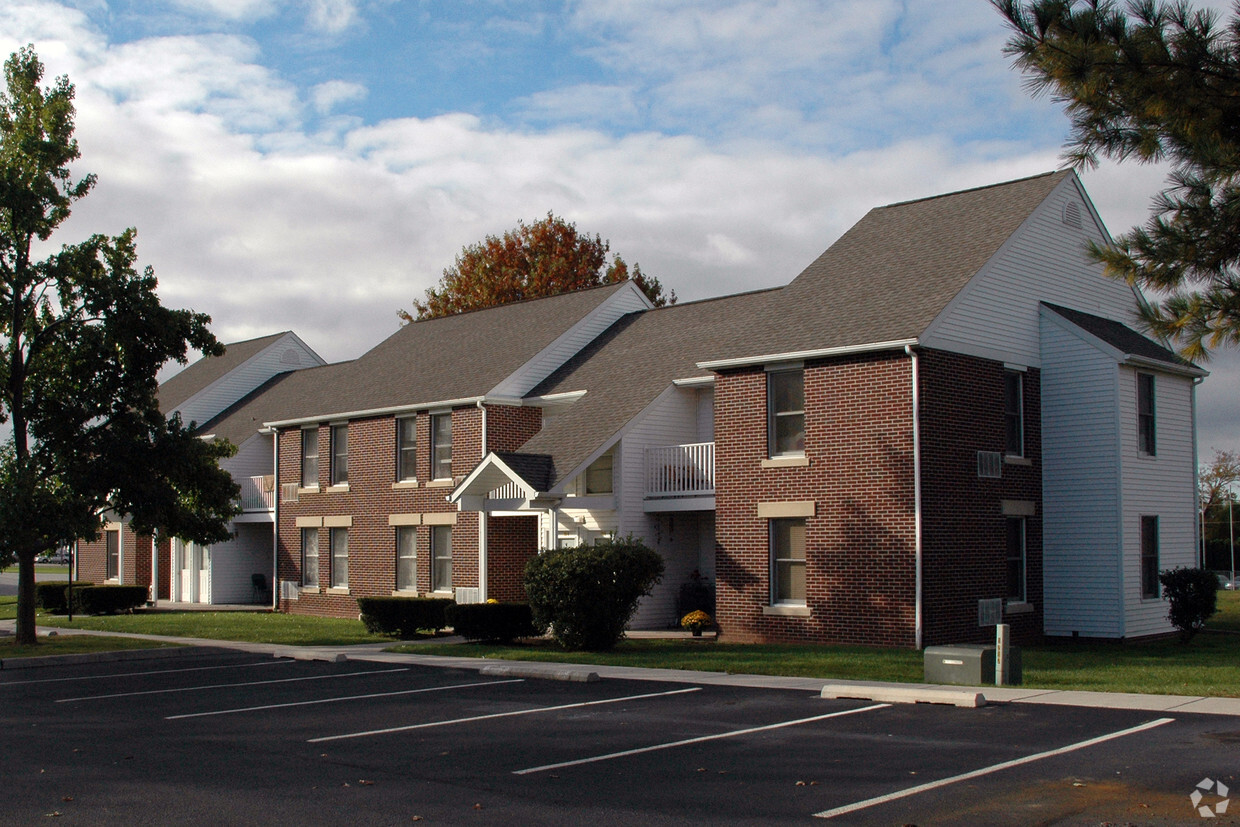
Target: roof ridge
[(973, 189), (518, 301)]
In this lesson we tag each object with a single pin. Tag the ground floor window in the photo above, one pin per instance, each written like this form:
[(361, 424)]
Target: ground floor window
[(1016, 559), (787, 538), (441, 558), (406, 558), (1149, 557), (112, 543), (340, 558), (310, 557)]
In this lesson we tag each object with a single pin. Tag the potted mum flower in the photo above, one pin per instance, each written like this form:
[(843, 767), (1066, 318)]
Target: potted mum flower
[(695, 621)]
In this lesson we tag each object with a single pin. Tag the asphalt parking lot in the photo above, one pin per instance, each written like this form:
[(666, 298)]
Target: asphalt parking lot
[(211, 737)]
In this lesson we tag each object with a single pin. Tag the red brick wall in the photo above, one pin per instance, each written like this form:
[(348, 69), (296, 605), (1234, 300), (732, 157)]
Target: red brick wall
[(135, 561), (963, 531), (369, 500), (860, 542), (511, 543), (509, 427)]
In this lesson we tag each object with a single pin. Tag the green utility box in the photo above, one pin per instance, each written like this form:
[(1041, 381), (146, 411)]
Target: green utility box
[(972, 664)]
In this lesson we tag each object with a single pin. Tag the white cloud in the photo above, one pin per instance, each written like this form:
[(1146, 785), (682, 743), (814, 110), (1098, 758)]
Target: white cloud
[(325, 96), (229, 9), (331, 16)]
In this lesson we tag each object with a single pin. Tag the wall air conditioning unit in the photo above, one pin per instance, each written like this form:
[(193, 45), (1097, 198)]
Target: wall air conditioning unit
[(288, 492), (989, 465), (289, 590), (464, 595)]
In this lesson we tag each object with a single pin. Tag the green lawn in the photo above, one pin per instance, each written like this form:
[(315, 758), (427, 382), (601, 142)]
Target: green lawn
[(75, 645), (39, 568), (255, 627)]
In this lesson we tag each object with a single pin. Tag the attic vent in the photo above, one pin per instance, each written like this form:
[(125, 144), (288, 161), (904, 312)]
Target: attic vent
[(288, 492), (291, 357), (989, 465), (1072, 214)]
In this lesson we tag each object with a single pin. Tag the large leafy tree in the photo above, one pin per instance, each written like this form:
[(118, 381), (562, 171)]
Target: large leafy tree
[(1153, 81), (545, 258), (82, 335)]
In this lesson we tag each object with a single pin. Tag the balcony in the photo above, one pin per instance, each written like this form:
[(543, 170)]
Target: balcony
[(258, 493), (680, 477)]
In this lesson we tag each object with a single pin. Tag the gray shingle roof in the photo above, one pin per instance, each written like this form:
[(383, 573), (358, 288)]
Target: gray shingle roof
[(1123, 338), (893, 272), (535, 469), (630, 365), (176, 390), (284, 396)]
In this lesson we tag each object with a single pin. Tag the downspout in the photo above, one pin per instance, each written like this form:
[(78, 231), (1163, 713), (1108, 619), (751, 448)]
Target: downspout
[(916, 493), (1200, 527), (275, 526), (482, 520), (155, 567)]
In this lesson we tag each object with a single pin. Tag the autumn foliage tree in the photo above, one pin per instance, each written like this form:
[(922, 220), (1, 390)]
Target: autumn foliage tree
[(1153, 81), (546, 258)]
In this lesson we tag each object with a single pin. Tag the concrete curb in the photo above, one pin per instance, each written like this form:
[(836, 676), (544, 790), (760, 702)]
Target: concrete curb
[(168, 651), (523, 670), (967, 698)]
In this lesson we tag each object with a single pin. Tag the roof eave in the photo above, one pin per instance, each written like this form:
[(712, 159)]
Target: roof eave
[(802, 355)]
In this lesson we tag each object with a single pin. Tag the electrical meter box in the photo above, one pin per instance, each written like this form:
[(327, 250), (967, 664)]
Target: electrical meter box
[(971, 664)]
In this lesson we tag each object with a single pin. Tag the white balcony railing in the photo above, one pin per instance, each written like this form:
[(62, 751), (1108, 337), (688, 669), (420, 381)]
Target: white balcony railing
[(681, 470), (258, 493)]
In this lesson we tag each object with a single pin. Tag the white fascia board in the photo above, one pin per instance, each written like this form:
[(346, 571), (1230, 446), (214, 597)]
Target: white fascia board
[(695, 382), (552, 399), (489, 462), (395, 409), (1166, 367), (1117, 355), (804, 355)]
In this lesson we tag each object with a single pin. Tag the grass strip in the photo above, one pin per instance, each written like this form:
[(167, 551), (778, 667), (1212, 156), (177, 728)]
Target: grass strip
[(75, 645), (252, 627)]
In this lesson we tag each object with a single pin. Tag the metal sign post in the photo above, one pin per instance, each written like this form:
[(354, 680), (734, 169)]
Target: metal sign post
[(1002, 654)]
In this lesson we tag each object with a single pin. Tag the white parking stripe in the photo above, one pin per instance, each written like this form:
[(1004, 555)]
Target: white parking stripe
[(638, 751), (268, 662), (501, 715), (227, 685), (336, 700), (921, 788)]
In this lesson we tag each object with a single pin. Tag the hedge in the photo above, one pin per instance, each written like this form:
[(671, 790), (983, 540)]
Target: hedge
[(403, 617), (492, 621), (106, 600), (49, 595)]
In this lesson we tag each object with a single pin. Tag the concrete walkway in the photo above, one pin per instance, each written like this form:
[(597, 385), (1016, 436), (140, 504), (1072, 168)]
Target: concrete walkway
[(868, 690)]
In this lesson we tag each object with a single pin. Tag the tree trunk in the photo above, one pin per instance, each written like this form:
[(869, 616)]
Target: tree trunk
[(25, 599)]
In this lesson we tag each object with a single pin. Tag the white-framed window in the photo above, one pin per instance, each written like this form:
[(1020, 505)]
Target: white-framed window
[(1149, 557), (310, 557), (339, 542), (787, 542), (309, 457), (1146, 426), (441, 446), (785, 413), (441, 558), (1014, 413), (340, 454), (1015, 559), (406, 558), (599, 474), (112, 547), (407, 449)]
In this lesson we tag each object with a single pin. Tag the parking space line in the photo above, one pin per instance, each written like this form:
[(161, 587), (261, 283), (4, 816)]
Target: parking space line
[(501, 715), (1028, 759), (228, 685), (337, 700), (268, 662), (718, 736)]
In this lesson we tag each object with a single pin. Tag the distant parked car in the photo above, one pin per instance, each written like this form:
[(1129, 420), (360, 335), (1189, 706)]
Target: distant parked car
[(59, 557)]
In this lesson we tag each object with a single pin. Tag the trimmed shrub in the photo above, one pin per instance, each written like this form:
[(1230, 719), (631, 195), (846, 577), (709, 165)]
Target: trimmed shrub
[(403, 617), (1193, 594), (492, 621), (587, 595), (49, 595), (107, 600)]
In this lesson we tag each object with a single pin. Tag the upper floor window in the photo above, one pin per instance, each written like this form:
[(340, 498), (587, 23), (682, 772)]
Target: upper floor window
[(1016, 559), (340, 454), (788, 561), (1146, 442), (1014, 413), (785, 413), (1149, 557), (599, 475), (309, 457), (441, 446), (407, 448)]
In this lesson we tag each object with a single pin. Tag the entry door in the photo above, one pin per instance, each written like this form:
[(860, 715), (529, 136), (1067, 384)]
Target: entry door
[(185, 568), (202, 558)]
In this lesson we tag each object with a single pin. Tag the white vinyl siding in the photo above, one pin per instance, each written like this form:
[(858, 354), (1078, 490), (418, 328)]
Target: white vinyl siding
[(996, 315), (253, 458), (235, 562), (247, 376), (1080, 493)]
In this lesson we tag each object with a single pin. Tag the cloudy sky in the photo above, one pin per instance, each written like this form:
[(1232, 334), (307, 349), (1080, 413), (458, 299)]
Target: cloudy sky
[(314, 164)]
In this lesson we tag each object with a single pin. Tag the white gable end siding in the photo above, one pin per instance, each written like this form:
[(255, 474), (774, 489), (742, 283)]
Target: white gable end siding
[(234, 563), (247, 376), (996, 315), (1163, 486), (672, 419), (566, 346), (253, 458), (1080, 490)]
